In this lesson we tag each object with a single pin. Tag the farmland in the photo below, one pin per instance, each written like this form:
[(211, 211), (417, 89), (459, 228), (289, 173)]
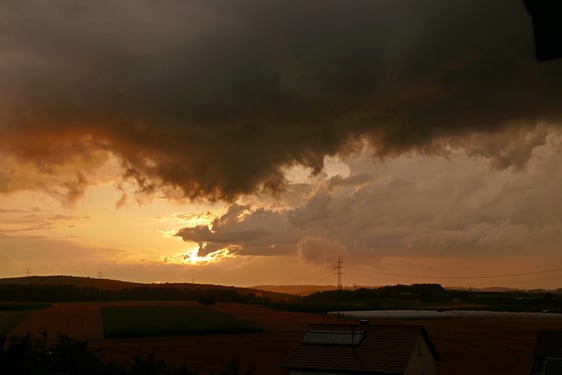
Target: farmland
[(146, 321), (78, 320), (11, 314), (482, 345), (188, 331), (9, 319)]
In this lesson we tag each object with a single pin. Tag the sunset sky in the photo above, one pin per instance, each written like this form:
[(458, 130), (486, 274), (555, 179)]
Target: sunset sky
[(255, 142)]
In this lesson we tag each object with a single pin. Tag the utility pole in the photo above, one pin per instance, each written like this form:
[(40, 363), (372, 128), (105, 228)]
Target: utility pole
[(99, 274), (339, 271), (28, 272)]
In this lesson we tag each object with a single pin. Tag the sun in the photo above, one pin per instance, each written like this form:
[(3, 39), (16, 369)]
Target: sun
[(192, 257)]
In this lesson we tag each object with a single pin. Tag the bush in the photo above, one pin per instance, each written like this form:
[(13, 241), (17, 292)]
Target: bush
[(24, 356)]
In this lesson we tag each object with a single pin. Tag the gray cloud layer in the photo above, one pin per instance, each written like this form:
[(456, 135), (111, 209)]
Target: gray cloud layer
[(214, 97), (435, 207)]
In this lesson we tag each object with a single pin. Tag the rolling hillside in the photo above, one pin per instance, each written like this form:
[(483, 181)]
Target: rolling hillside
[(117, 286)]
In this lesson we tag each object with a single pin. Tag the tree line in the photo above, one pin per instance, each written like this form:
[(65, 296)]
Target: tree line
[(71, 293)]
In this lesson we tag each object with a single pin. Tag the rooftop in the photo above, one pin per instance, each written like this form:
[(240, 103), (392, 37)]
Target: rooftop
[(357, 348), (547, 358)]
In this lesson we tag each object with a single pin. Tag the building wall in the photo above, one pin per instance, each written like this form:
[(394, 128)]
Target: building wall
[(421, 360)]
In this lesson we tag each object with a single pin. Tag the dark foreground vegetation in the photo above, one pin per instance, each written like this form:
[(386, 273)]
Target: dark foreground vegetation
[(25, 356)]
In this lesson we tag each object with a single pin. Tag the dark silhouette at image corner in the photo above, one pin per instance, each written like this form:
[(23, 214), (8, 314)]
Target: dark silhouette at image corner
[(547, 27)]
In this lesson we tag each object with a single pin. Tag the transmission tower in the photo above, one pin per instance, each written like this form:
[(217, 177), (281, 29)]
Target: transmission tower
[(339, 271)]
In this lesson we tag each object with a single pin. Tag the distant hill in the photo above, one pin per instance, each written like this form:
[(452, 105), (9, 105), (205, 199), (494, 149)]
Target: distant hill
[(117, 287), (501, 289), (80, 282), (297, 290)]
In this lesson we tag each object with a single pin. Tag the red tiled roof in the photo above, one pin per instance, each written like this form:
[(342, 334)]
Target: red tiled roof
[(383, 349)]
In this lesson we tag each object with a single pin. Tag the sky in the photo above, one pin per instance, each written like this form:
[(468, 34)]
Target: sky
[(255, 142)]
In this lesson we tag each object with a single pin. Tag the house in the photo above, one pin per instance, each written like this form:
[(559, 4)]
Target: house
[(547, 358), (346, 349)]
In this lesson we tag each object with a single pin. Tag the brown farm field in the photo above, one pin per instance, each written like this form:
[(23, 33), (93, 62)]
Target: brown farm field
[(466, 345)]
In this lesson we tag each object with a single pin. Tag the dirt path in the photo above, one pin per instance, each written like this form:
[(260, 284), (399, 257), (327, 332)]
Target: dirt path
[(80, 321)]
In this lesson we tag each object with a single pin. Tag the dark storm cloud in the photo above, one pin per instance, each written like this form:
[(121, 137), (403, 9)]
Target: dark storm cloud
[(214, 97)]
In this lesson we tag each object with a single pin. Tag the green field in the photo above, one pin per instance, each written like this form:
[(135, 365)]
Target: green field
[(146, 321), (13, 313)]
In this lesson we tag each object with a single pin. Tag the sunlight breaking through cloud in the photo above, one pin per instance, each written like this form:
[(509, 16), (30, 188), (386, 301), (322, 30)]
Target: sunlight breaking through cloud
[(193, 257)]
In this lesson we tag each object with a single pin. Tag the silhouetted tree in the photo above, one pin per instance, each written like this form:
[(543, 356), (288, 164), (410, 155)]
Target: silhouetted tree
[(233, 369)]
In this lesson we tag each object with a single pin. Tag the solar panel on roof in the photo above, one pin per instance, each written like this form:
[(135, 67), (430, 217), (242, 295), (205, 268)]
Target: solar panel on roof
[(553, 366), (333, 337)]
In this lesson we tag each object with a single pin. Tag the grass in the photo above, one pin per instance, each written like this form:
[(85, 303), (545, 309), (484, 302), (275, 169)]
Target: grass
[(13, 313), (146, 321)]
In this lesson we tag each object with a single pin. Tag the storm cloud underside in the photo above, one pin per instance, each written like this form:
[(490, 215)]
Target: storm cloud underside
[(213, 99), (408, 207)]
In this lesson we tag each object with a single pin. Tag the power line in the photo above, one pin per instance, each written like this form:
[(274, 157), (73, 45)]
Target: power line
[(471, 277), (339, 267)]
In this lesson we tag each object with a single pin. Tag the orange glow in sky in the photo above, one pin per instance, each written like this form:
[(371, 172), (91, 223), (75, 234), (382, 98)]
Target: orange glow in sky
[(257, 145), (137, 241)]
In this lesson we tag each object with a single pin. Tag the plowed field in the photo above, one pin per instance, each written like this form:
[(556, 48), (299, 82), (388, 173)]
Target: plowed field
[(77, 320)]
